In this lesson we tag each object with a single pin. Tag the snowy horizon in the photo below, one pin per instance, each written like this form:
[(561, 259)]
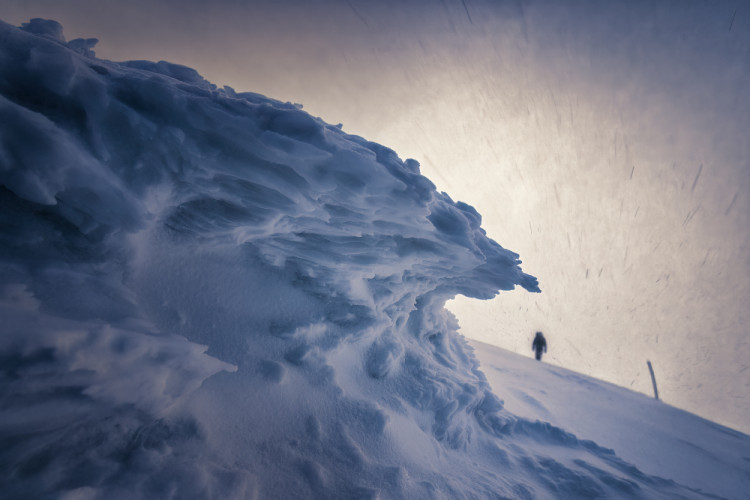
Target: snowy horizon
[(213, 294)]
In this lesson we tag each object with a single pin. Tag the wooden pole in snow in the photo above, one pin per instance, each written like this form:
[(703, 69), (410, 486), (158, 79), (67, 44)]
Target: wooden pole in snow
[(653, 380)]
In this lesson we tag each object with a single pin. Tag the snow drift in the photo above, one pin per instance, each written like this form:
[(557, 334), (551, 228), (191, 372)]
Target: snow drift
[(654, 436), (211, 294)]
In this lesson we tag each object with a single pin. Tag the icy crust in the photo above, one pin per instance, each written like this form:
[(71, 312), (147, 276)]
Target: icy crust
[(211, 294)]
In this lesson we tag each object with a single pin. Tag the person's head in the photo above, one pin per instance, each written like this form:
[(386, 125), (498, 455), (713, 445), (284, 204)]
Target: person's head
[(539, 334)]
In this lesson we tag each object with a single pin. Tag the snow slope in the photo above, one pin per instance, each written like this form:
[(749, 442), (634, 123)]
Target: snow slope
[(211, 294), (657, 438)]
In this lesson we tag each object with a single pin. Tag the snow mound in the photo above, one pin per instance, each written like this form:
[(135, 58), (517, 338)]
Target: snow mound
[(211, 294)]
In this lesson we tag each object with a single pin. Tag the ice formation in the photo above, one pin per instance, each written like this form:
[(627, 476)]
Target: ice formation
[(211, 294)]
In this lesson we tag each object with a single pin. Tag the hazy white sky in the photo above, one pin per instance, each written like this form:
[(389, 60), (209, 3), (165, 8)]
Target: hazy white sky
[(605, 142)]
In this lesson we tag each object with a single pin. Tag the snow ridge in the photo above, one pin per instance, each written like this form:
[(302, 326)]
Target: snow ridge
[(213, 294)]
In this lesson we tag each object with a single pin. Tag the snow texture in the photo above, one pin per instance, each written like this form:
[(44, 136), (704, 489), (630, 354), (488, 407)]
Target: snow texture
[(211, 294), (653, 436)]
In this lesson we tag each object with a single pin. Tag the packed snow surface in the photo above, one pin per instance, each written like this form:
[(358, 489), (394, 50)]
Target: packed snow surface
[(211, 294), (657, 438)]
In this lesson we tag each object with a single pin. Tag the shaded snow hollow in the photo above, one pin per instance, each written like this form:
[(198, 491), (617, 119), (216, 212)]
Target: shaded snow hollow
[(208, 294)]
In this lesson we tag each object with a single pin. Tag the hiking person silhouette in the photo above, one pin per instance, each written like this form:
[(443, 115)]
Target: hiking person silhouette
[(539, 345)]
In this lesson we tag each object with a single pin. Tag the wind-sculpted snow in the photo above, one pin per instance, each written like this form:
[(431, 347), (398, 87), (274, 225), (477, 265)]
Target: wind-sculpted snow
[(210, 294)]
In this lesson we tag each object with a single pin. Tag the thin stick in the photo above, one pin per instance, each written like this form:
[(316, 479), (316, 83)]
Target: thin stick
[(653, 380)]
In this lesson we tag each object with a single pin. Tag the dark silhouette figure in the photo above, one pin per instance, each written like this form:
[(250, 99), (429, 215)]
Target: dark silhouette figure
[(539, 345)]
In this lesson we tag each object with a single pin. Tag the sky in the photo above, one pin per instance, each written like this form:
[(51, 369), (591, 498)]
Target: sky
[(604, 142)]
